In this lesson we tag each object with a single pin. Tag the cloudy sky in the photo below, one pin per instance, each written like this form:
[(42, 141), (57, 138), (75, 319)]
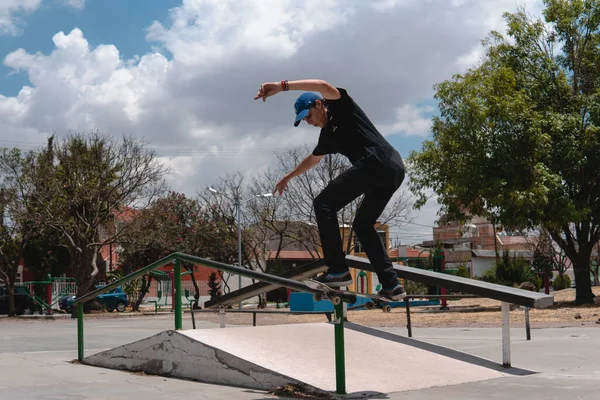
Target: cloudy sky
[(183, 74)]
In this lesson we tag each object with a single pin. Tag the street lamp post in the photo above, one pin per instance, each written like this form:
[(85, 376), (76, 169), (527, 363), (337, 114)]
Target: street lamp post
[(238, 204)]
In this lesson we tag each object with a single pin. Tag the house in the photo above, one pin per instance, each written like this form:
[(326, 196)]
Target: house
[(474, 244), (483, 260)]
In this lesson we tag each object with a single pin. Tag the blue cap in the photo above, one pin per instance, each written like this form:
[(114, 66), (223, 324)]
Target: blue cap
[(303, 104)]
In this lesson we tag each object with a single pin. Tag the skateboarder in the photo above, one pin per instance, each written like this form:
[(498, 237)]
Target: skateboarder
[(377, 171)]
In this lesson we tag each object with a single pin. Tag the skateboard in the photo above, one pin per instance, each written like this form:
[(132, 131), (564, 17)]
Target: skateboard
[(335, 295)]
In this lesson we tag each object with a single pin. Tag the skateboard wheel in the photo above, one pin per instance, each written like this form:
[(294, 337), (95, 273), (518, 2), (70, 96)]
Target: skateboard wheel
[(387, 308), (317, 297), (369, 305), (336, 300)]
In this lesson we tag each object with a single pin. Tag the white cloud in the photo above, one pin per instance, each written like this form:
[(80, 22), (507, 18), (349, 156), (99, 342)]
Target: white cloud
[(209, 32), (410, 121), (191, 98), (79, 88), (10, 12)]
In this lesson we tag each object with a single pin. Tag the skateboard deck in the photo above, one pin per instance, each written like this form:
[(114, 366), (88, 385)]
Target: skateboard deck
[(333, 293)]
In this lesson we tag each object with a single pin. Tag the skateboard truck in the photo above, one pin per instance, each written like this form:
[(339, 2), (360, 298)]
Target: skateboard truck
[(335, 298), (369, 305)]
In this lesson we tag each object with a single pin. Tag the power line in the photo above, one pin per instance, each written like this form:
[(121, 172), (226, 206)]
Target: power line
[(414, 223)]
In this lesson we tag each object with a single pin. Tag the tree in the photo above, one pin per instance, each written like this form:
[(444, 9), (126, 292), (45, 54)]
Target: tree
[(78, 185), (595, 264), (138, 249), (544, 258), (177, 224), (14, 233), (10, 252), (517, 136), (214, 285), (45, 254)]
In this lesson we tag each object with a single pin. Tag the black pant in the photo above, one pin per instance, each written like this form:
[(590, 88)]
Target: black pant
[(378, 183)]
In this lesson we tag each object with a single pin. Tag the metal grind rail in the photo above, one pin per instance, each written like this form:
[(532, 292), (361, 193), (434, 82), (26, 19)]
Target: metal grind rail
[(505, 294)]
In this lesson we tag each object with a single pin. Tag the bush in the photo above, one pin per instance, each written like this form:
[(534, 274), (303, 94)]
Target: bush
[(561, 282), (512, 272), (462, 271), (537, 282), (490, 275)]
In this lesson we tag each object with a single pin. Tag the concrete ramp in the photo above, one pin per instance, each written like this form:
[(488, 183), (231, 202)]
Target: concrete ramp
[(270, 356)]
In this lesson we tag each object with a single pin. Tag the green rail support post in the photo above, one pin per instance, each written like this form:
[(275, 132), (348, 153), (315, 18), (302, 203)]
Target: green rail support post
[(340, 362), (80, 331), (177, 299)]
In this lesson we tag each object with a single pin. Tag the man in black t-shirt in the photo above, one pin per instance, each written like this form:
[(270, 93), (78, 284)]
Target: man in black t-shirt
[(377, 171)]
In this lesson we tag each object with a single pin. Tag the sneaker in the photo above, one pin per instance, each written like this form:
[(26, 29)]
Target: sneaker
[(394, 294), (335, 280)]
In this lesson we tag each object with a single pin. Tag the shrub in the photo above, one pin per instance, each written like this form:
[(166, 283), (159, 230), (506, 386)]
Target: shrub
[(536, 281), (462, 271), (490, 275), (561, 282), (512, 271)]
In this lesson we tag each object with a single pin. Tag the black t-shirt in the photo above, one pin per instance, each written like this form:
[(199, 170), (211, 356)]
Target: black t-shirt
[(350, 132)]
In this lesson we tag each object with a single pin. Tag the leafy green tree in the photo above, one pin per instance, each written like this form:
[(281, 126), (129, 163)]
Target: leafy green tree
[(135, 255), (10, 251), (77, 186), (173, 223), (517, 139), (45, 254), (14, 234)]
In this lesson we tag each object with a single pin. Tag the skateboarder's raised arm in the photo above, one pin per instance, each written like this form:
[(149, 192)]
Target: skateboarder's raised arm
[(304, 166), (327, 90)]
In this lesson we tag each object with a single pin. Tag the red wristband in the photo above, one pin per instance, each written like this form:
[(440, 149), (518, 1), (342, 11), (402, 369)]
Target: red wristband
[(284, 85)]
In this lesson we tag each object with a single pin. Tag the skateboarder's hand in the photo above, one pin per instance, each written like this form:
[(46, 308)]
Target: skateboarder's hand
[(282, 185), (268, 89)]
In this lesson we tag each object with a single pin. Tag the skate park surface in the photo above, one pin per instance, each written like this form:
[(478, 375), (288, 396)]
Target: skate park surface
[(556, 363)]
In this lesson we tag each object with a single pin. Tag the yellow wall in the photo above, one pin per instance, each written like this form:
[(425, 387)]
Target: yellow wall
[(344, 232)]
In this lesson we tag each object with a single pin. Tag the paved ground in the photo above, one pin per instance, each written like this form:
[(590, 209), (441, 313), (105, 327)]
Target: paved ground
[(35, 363)]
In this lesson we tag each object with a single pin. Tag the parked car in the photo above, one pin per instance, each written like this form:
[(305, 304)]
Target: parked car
[(24, 304), (114, 299)]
